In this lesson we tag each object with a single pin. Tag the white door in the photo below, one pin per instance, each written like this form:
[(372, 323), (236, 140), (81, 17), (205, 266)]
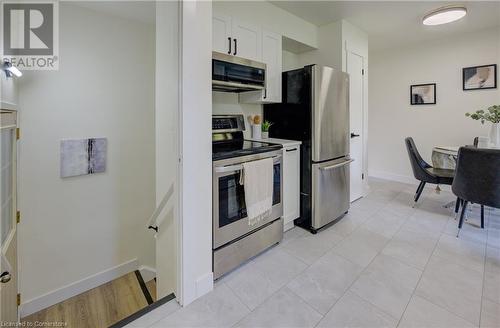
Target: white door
[(167, 154), (247, 40), (221, 34), (355, 68), (8, 222)]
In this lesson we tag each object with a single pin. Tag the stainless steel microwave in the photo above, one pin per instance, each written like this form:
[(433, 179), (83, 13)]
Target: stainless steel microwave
[(236, 74)]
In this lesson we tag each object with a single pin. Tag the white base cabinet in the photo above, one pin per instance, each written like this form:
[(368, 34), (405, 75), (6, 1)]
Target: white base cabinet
[(291, 184), (291, 179)]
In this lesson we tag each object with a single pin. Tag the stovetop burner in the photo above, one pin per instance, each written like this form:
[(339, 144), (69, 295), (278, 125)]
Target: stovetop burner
[(235, 148)]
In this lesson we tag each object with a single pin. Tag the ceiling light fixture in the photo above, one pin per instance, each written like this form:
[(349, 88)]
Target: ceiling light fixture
[(444, 15), (10, 70)]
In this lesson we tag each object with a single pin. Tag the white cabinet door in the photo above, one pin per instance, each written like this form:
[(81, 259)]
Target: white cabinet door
[(247, 40), (291, 185), (272, 57), (221, 34)]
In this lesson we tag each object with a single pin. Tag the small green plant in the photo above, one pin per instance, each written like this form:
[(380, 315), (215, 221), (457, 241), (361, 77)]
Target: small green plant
[(266, 125), (492, 114)]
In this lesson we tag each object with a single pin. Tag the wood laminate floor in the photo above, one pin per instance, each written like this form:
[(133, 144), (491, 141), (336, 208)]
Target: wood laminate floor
[(98, 307)]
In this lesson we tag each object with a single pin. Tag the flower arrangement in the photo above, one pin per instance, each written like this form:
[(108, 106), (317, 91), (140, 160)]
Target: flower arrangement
[(492, 114)]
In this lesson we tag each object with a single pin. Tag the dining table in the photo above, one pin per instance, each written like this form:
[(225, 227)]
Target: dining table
[(445, 157)]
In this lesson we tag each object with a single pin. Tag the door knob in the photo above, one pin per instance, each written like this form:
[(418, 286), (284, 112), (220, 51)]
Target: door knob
[(5, 277), (354, 135)]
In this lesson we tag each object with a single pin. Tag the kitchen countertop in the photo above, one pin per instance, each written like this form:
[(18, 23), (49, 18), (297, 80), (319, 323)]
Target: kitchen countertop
[(284, 142)]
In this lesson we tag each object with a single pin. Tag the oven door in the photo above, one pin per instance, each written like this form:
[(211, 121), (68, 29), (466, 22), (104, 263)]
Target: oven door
[(230, 219)]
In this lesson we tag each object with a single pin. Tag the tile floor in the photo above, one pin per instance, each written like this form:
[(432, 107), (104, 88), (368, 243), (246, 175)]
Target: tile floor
[(385, 264)]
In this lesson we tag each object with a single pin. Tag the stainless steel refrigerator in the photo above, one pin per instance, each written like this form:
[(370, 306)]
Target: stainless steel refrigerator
[(315, 110)]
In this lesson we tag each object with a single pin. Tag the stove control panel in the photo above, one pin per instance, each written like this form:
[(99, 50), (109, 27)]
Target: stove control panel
[(227, 123)]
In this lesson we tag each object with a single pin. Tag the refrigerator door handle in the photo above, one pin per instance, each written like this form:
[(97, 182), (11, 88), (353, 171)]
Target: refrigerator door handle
[(336, 165)]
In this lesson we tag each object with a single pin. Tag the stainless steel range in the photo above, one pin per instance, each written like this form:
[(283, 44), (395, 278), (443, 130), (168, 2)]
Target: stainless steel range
[(234, 240)]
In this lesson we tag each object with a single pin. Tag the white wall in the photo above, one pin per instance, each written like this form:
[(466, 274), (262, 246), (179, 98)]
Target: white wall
[(290, 61), (271, 18), (329, 52), (196, 151), (227, 103), (334, 40), (392, 118), (353, 40), (76, 227)]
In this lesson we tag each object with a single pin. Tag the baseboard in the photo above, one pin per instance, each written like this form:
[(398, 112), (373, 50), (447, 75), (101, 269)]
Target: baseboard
[(288, 226), (39, 303), (404, 179), (204, 284), (391, 176), (147, 273)]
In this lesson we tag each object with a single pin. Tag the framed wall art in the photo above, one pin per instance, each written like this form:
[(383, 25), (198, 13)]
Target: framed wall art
[(423, 94), (480, 77)]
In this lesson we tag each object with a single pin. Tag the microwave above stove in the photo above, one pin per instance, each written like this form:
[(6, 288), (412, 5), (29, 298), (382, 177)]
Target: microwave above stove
[(236, 74)]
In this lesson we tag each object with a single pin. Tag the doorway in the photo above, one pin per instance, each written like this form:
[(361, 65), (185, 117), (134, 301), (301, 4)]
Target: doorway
[(355, 68), (8, 217), (83, 238)]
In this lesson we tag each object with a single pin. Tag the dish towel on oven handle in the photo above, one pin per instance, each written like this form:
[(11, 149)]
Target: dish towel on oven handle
[(257, 179)]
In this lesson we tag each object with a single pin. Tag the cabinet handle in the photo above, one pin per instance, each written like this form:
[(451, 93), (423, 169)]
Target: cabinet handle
[(229, 39), (293, 149), (265, 93), (235, 47)]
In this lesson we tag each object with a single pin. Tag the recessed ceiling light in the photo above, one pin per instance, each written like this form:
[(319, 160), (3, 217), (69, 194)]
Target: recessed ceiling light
[(444, 15)]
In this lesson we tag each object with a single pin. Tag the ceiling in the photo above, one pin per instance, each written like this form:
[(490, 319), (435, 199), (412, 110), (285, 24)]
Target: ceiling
[(395, 23)]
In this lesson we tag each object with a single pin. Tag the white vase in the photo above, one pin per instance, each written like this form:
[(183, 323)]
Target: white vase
[(256, 131), (495, 135), (265, 135)]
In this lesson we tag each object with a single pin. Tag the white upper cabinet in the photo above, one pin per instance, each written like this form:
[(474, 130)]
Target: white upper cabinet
[(234, 37), (272, 57), (247, 40), (221, 34)]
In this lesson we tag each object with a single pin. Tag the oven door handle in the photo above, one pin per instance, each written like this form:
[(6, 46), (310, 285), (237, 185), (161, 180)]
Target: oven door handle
[(238, 167), (229, 168)]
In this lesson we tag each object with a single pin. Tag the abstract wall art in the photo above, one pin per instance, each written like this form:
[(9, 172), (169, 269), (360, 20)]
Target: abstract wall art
[(83, 156), (423, 94)]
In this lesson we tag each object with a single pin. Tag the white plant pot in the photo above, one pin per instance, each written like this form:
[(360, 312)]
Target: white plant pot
[(495, 135), (265, 135), (256, 131)]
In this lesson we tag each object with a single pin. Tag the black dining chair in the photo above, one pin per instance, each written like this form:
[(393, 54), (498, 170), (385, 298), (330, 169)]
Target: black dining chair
[(424, 172), (459, 202), (476, 144), (477, 179)]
